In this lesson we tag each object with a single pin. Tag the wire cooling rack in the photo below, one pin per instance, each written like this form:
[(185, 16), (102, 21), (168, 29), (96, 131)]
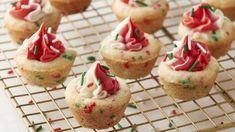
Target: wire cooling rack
[(152, 109)]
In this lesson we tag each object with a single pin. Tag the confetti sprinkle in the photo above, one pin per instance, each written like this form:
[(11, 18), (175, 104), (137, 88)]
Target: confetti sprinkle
[(105, 67), (170, 123), (38, 129), (173, 112), (90, 85), (10, 71), (57, 129), (82, 78), (140, 3), (35, 51), (193, 66), (175, 105), (137, 34), (119, 125), (192, 12), (49, 119), (30, 102), (91, 58), (116, 37), (132, 105), (37, 24), (221, 122)]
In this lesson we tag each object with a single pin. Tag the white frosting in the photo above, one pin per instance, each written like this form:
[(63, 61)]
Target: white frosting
[(175, 50), (94, 91), (220, 15), (39, 12)]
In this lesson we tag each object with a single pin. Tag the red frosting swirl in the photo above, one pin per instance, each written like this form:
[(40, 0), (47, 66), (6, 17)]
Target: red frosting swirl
[(44, 46), (18, 12), (131, 3), (201, 18), (108, 83), (190, 58), (133, 37)]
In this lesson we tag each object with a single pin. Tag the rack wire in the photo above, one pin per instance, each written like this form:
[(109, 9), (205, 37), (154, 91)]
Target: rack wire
[(155, 110)]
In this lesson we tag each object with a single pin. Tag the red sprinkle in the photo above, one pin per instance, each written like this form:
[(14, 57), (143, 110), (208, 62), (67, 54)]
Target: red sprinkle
[(173, 112), (49, 119), (126, 65), (148, 52), (90, 84), (57, 130), (56, 75), (89, 108), (30, 102), (147, 21), (53, 88), (221, 122), (10, 71)]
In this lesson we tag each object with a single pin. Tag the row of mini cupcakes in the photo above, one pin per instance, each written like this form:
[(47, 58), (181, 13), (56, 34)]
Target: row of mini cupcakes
[(25, 16)]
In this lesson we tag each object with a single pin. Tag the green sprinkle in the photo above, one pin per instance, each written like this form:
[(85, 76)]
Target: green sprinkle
[(140, 3), (171, 56), (39, 129), (175, 45), (99, 82), (116, 38), (185, 48), (60, 80), (132, 129), (82, 79), (192, 12), (119, 125), (140, 57), (37, 24), (137, 33), (193, 66), (105, 67), (170, 124), (35, 50), (77, 105), (91, 58), (213, 9), (101, 111), (185, 81), (112, 116), (70, 57), (39, 77), (64, 56), (132, 105), (110, 75), (13, 3), (175, 105)]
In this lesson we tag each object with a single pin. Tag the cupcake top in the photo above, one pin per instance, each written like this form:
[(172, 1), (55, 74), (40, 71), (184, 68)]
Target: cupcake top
[(203, 18), (43, 46), (188, 55), (98, 82), (30, 10), (143, 3), (129, 36)]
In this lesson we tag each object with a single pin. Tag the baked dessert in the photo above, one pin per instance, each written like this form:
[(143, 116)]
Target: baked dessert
[(208, 25), (97, 99), (43, 60), (189, 71), (227, 6), (148, 14), (68, 7), (25, 16), (129, 52)]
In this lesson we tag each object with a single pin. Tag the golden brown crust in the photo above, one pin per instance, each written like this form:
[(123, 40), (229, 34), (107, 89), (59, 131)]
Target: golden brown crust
[(71, 6), (186, 85), (107, 112), (19, 30), (148, 18)]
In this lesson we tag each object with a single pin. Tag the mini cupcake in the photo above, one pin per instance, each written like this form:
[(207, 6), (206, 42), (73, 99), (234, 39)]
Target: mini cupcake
[(97, 99), (189, 71), (71, 6), (208, 25), (25, 16), (129, 52), (43, 60), (227, 6), (148, 14)]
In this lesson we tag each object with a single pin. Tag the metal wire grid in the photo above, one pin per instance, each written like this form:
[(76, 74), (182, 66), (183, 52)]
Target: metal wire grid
[(83, 32)]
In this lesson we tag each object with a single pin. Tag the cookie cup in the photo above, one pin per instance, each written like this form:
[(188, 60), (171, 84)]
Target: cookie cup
[(129, 64), (219, 45), (68, 7), (49, 74), (186, 85), (148, 18), (106, 113), (19, 29)]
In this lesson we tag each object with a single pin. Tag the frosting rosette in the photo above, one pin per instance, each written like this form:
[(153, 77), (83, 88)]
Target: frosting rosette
[(30, 10), (98, 82), (202, 18), (188, 55), (130, 36), (44, 46)]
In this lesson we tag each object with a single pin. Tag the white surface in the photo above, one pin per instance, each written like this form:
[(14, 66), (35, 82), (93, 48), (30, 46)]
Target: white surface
[(10, 121)]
